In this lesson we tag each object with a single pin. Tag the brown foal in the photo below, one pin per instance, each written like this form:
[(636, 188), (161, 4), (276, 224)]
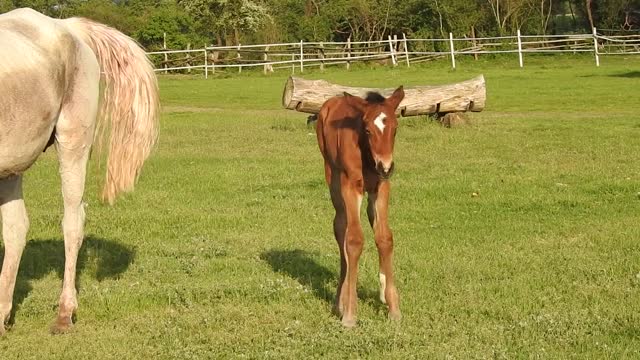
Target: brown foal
[(356, 138)]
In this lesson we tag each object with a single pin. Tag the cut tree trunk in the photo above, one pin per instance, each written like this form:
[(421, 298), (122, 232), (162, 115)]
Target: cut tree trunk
[(309, 95)]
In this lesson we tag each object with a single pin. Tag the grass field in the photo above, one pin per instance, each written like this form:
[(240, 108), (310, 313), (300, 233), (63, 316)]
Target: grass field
[(226, 250)]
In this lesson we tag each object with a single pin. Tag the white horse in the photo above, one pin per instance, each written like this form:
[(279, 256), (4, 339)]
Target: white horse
[(50, 76)]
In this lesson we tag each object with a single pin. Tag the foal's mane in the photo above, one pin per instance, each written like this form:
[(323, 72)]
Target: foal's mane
[(374, 98)]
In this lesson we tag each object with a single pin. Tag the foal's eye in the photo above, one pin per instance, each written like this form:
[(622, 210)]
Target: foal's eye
[(367, 131)]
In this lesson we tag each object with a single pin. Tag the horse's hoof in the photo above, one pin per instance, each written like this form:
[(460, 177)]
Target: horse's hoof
[(62, 326), (2, 330), (348, 323), (395, 316)]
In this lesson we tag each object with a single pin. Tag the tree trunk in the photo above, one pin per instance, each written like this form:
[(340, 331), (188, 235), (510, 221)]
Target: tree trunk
[(589, 13), (236, 36), (309, 95)]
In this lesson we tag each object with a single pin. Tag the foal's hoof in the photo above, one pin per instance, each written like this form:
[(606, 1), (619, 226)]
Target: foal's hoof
[(348, 323), (62, 326), (2, 329), (395, 316)]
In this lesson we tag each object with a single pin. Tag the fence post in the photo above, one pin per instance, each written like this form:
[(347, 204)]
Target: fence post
[(406, 49), (392, 52), (164, 47), (238, 58), (206, 65), (348, 52), (188, 58), (265, 57), (595, 46), (214, 57), (321, 56), (453, 58), (301, 57), (474, 42), (519, 48)]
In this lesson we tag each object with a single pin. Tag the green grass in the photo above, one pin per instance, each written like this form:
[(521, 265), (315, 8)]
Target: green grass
[(225, 249)]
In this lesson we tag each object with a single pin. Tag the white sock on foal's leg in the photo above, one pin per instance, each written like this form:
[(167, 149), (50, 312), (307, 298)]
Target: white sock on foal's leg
[(383, 287)]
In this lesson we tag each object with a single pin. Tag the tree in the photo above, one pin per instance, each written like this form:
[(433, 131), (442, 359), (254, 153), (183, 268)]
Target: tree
[(368, 19), (511, 15), (589, 13), (6, 5), (179, 27), (617, 14), (222, 17), (103, 11)]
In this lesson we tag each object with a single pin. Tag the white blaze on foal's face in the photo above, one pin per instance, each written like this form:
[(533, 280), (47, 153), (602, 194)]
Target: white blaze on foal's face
[(379, 121)]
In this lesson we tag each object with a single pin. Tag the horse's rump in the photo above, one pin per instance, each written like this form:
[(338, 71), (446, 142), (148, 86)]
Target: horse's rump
[(37, 54), (43, 57)]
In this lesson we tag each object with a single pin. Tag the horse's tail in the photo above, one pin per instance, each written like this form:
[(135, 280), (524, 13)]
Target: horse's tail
[(128, 119)]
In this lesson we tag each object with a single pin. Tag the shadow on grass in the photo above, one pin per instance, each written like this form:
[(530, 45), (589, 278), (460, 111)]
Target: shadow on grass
[(106, 258), (300, 265), (630, 74)]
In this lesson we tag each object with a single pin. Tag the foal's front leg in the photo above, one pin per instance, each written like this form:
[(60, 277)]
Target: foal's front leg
[(352, 192), (377, 210), (14, 232)]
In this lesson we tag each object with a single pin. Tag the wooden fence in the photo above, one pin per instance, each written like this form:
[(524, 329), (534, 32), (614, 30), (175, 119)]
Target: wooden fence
[(393, 51)]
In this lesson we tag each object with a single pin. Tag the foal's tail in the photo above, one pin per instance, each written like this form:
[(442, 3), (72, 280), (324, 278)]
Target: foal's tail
[(128, 119)]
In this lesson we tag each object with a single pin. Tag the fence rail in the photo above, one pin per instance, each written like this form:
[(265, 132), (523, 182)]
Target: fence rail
[(393, 50)]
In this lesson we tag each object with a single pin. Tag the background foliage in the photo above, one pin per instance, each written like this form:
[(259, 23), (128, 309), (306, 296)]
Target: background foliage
[(225, 22)]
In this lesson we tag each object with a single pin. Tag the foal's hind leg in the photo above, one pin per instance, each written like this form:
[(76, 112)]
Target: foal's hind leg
[(339, 230), (14, 232), (74, 136)]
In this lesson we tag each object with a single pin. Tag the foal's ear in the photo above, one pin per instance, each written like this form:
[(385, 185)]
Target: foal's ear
[(395, 98), (355, 101)]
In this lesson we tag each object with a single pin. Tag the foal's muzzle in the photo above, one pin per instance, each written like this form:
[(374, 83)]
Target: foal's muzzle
[(384, 170)]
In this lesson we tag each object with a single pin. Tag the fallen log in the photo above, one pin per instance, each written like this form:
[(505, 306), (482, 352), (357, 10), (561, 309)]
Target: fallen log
[(309, 95)]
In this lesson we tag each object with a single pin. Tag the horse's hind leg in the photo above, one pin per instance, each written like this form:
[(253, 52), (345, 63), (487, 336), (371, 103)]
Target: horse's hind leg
[(73, 152), (74, 136), (14, 232)]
